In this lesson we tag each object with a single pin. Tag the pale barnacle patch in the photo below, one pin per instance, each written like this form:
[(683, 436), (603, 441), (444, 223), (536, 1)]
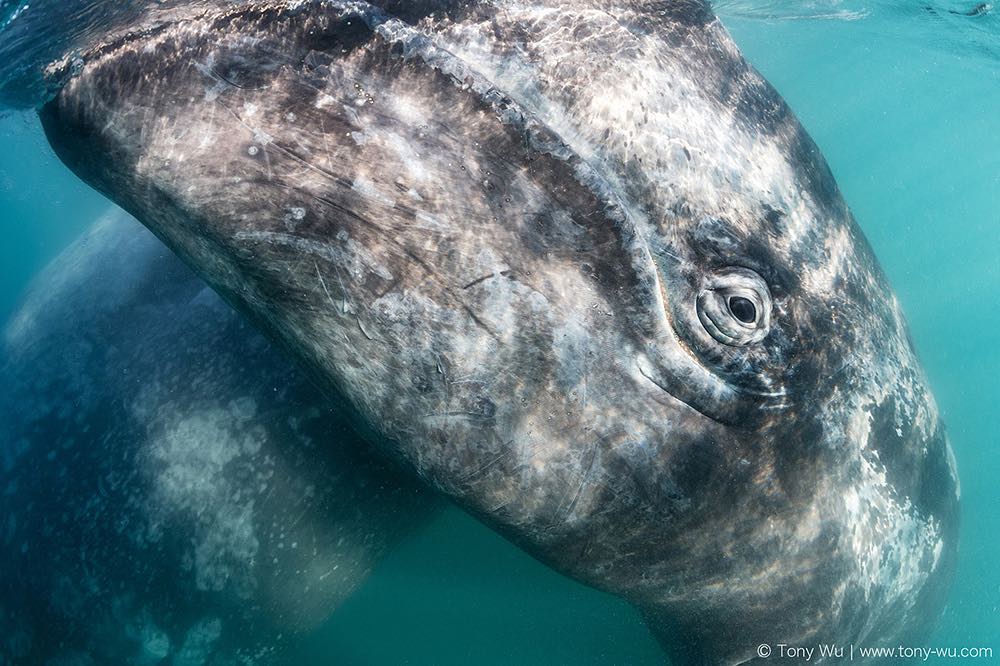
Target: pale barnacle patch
[(262, 138), (397, 310), (190, 461), (293, 217)]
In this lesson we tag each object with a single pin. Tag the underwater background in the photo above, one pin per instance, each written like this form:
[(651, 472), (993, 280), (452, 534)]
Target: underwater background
[(904, 100)]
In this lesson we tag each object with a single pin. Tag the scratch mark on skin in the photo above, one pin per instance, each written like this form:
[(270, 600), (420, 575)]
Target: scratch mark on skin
[(298, 519), (362, 327), (343, 289), (327, 574), (469, 380), (219, 77), (506, 273), (480, 323), (270, 492), (667, 253), (505, 451), (583, 482), (472, 416), (322, 283), (326, 144), (267, 161), (341, 209)]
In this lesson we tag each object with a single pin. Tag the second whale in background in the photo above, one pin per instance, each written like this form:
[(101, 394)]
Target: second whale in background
[(172, 489)]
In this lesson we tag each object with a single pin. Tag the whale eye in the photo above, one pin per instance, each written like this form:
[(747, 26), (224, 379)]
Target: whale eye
[(743, 309), (735, 307)]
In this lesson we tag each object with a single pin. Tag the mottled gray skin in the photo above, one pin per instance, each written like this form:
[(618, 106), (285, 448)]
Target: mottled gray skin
[(172, 490), (508, 234)]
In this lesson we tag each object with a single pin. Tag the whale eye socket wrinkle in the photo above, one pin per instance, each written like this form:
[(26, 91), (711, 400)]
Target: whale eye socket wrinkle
[(735, 307)]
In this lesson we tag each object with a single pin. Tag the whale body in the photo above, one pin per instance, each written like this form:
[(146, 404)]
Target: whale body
[(577, 265)]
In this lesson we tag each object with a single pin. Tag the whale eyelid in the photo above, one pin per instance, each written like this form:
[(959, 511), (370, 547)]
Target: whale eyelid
[(734, 307)]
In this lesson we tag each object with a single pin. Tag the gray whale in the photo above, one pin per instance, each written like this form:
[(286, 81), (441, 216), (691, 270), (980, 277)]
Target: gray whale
[(578, 265), (172, 490)]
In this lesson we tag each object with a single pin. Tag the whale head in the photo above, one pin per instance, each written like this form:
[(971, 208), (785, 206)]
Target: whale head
[(576, 264)]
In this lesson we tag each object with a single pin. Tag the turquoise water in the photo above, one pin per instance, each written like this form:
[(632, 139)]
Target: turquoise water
[(905, 103)]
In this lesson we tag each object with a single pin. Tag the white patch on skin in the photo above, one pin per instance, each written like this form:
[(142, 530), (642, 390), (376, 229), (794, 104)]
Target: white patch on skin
[(207, 68), (496, 304), (859, 428), (199, 643), (155, 642), (412, 161), (208, 139), (888, 538), (412, 110), (188, 461), (840, 253)]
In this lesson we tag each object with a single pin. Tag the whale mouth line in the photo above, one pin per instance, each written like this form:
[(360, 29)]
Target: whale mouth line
[(679, 399)]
